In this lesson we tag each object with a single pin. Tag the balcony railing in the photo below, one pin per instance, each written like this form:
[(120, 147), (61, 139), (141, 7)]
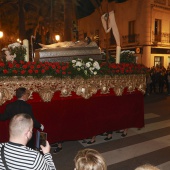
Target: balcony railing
[(162, 37), (134, 38)]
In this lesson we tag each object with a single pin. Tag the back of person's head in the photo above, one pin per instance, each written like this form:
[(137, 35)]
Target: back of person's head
[(89, 159), (147, 167), (19, 124), (20, 92)]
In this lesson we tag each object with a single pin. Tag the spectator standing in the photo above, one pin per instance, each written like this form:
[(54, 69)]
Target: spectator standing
[(21, 106), (15, 155), (168, 80)]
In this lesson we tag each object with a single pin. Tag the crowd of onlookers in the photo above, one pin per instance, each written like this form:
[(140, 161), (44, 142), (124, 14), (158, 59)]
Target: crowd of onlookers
[(158, 80)]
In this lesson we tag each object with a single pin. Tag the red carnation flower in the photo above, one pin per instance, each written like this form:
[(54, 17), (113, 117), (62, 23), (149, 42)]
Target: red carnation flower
[(2, 64), (53, 66), (14, 71), (42, 71), (59, 67), (63, 68), (10, 65), (32, 67), (57, 71), (23, 72), (5, 71), (30, 71), (17, 66), (46, 68), (36, 71), (24, 66), (38, 66)]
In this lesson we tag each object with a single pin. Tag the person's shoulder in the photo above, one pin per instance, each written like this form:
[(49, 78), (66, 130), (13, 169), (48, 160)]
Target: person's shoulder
[(22, 102), (1, 144), (33, 152), (11, 104)]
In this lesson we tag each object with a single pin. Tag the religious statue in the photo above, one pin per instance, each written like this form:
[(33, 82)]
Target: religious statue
[(86, 43)]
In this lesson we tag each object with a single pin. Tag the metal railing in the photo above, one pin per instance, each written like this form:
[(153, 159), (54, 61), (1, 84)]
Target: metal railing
[(162, 37), (134, 38)]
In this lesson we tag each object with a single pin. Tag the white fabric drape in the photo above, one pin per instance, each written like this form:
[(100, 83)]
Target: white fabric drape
[(112, 25)]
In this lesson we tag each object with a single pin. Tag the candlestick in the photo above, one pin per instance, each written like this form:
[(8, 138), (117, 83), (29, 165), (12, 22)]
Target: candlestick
[(26, 44)]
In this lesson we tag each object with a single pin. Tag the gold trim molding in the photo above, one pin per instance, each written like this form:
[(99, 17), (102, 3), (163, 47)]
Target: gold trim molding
[(47, 86)]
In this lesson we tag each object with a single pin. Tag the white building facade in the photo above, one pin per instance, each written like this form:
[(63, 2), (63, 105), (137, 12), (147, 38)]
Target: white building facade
[(144, 27)]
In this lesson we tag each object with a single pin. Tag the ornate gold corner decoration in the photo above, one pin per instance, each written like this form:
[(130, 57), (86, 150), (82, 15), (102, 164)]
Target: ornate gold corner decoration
[(142, 88), (6, 94), (118, 90), (46, 94), (86, 90), (65, 92)]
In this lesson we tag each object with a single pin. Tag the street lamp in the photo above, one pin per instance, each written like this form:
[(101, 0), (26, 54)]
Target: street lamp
[(1, 35), (57, 37)]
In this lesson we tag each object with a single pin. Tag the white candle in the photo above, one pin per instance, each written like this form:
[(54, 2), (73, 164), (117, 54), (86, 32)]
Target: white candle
[(118, 49), (26, 44)]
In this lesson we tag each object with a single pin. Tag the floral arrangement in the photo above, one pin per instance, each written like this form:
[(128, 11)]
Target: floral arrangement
[(34, 69), (15, 65), (123, 68), (127, 56), (71, 69), (86, 68), (15, 51)]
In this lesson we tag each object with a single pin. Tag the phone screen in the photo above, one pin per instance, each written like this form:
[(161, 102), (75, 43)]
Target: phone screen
[(43, 138)]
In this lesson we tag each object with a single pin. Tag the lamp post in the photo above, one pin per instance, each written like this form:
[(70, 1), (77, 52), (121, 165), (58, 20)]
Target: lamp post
[(57, 37), (1, 35)]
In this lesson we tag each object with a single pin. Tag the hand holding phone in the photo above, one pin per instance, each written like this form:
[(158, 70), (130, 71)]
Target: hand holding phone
[(45, 149)]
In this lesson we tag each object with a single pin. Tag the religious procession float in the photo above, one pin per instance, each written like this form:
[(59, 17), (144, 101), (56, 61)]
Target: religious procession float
[(73, 87)]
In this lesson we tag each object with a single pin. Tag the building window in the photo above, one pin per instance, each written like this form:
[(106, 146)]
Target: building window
[(158, 61), (158, 25), (131, 36)]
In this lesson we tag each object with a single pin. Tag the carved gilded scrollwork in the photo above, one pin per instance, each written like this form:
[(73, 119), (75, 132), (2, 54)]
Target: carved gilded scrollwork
[(46, 94), (47, 86), (6, 94)]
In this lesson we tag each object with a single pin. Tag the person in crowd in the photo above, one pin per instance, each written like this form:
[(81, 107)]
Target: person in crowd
[(147, 167), (21, 106), (108, 136), (58, 148), (148, 83), (16, 155), (89, 159), (123, 132)]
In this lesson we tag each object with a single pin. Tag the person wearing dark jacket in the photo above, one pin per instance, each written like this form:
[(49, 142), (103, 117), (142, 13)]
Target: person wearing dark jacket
[(21, 106)]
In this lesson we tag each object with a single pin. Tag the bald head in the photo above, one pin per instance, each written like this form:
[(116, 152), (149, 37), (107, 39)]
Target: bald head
[(19, 124)]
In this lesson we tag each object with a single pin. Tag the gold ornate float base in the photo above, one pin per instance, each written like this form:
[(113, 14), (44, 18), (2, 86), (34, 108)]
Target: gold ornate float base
[(47, 86)]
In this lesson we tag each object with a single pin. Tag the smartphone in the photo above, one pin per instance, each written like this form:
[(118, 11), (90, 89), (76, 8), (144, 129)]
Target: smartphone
[(41, 138)]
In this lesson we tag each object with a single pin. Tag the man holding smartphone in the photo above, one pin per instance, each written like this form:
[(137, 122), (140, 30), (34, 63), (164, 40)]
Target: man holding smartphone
[(23, 157)]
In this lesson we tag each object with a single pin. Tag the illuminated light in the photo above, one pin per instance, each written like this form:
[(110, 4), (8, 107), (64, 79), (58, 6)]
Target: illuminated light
[(57, 37), (1, 34)]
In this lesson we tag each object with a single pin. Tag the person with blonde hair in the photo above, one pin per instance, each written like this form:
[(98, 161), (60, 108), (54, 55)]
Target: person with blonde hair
[(89, 159), (147, 167)]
